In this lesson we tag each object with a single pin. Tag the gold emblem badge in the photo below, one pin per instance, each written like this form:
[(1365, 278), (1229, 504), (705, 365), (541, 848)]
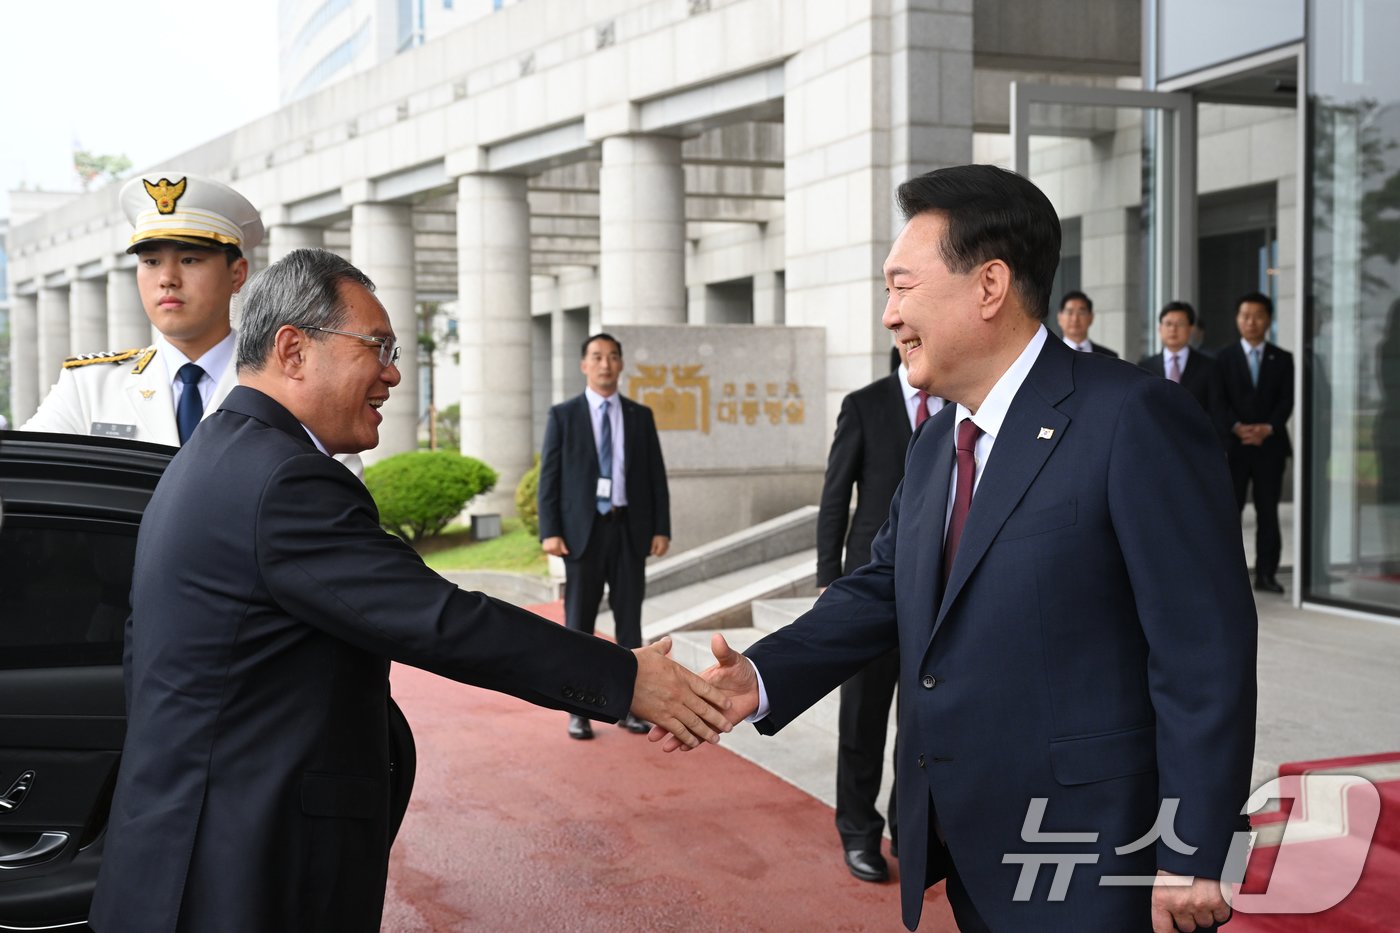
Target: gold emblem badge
[(1045, 434), (165, 194), (147, 393)]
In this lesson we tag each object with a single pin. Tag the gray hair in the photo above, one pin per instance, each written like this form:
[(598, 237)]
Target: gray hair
[(301, 289)]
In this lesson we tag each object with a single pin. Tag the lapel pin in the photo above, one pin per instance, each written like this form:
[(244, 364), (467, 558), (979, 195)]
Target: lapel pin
[(147, 393), (1045, 434)]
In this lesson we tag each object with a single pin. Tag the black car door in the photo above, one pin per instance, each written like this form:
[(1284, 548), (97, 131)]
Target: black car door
[(70, 507)]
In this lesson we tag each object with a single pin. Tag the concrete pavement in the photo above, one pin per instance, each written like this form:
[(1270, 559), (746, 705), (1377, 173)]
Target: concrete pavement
[(514, 826)]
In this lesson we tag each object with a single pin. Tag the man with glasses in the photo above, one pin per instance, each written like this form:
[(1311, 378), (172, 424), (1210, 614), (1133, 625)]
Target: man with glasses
[(253, 792)]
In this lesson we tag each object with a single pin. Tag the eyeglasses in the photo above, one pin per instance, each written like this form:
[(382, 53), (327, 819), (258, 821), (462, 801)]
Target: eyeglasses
[(388, 350)]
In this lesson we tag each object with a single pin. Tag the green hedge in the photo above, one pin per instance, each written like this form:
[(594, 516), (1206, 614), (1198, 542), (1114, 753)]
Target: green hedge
[(418, 493), (527, 502)]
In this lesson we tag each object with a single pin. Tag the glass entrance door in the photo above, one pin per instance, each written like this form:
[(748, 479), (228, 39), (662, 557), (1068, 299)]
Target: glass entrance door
[(1120, 168)]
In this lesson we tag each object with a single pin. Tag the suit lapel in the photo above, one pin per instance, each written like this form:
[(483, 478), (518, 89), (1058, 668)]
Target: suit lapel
[(584, 447), (901, 407), (630, 436), (1020, 451), (933, 457)]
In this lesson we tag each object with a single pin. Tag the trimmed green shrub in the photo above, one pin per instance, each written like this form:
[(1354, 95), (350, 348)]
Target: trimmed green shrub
[(420, 492), (527, 502)]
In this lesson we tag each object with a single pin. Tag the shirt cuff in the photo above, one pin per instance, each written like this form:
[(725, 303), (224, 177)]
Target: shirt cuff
[(763, 710)]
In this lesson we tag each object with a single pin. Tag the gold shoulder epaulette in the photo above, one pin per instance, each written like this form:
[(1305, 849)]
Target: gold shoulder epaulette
[(106, 356), (148, 354)]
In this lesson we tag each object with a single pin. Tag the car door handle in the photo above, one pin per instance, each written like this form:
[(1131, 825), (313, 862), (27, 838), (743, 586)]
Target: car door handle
[(46, 847), (16, 794)]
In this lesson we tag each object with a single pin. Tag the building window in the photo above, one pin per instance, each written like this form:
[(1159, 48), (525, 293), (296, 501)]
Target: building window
[(1350, 446)]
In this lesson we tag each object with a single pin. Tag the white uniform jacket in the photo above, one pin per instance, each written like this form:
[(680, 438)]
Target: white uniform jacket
[(127, 394), (119, 394)]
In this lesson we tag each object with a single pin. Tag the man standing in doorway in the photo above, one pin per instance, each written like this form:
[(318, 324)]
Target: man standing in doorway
[(1075, 318), (1254, 399), (603, 503), (1190, 368)]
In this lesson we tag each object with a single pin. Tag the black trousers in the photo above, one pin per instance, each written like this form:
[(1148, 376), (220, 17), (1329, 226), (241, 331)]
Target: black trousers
[(1263, 468), (860, 754), (609, 558)]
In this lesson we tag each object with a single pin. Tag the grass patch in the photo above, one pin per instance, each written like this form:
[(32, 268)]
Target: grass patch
[(516, 550)]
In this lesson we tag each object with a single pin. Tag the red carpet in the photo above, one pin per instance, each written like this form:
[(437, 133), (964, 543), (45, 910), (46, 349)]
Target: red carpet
[(1336, 828), (514, 826)]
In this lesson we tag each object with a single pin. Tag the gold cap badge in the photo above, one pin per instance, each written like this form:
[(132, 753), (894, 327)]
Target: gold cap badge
[(165, 194)]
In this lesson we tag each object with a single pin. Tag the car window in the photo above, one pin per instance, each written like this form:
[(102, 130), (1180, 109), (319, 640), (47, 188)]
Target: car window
[(65, 589)]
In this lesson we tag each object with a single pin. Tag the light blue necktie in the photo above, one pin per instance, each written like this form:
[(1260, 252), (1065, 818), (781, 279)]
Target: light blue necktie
[(1254, 353), (605, 453)]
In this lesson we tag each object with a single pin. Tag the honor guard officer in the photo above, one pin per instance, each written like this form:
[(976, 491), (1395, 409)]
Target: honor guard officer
[(190, 237)]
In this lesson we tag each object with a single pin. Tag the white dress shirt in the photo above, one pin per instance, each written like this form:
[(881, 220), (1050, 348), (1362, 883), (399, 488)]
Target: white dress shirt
[(989, 418), (1182, 356), (619, 458), (1085, 347), (213, 362), (911, 398)]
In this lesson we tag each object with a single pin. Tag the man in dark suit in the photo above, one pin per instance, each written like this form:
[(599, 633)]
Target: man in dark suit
[(1193, 370), (1043, 721), (867, 454), (1253, 401), (603, 503), (267, 602), (1075, 318)]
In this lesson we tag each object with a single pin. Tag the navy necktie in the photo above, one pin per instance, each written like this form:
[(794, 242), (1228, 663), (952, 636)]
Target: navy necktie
[(605, 453), (190, 407)]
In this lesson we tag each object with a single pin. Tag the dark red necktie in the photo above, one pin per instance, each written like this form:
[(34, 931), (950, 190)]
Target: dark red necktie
[(968, 432), (921, 412)]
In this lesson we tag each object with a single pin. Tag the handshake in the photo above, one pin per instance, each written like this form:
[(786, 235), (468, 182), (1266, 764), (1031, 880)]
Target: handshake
[(687, 708)]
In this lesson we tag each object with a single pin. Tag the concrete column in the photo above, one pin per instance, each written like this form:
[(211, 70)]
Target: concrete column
[(87, 315), (25, 392), (53, 336), (127, 324), (283, 238), (768, 298), (494, 328), (642, 231), (876, 97), (381, 245)]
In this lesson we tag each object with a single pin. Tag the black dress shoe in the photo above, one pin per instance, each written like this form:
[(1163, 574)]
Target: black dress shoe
[(633, 724), (1267, 583), (580, 728), (867, 865)]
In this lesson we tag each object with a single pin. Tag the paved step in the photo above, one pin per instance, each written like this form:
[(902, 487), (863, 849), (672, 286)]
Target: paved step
[(772, 614), (724, 601)]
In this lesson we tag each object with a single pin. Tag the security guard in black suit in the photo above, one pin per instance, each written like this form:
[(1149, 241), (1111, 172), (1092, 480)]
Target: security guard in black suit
[(603, 502)]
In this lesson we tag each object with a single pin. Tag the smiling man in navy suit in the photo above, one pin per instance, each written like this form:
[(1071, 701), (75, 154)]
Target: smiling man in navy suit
[(603, 502), (1048, 727)]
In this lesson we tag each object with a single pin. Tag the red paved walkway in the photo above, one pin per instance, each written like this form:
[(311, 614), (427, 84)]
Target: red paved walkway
[(514, 826)]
